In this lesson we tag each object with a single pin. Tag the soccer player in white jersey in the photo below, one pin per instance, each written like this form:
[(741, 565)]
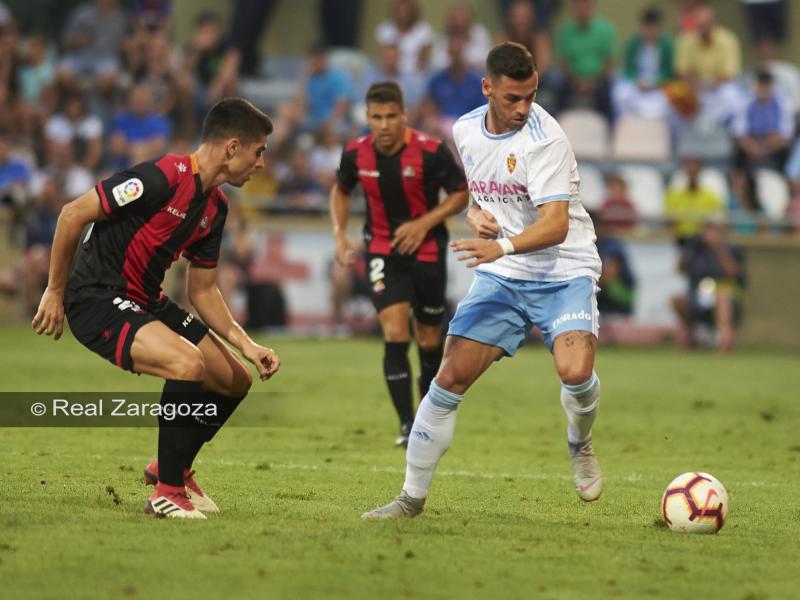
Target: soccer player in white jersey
[(535, 264)]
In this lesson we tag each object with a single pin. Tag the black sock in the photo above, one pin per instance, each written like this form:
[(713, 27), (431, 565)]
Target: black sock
[(429, 361), (397, 372), (176, 429), (205, 430)]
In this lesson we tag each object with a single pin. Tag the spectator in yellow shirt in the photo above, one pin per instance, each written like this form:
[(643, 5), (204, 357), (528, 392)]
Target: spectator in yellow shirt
[(687, 206), (710, 60)]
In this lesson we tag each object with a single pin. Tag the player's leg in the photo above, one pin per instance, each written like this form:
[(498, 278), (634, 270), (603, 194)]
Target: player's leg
[(225, 384), (570, 330), (159, 351), (391, 294), (396, 368), (486, 326), (430, 280), (434, 425), (117, 329), (431, 350)]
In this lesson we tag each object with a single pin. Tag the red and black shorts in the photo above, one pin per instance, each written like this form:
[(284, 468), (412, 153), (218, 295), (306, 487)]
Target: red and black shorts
[(107, 325), (394, 279)]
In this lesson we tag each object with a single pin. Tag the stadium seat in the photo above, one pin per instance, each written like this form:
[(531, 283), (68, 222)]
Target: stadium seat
[(587, 131), (645, 188), (282, 66), (354, 62), (773, 193), (268, 94), (710, 177), (593, 187), (704, 139), (641, 139), (276, 82)]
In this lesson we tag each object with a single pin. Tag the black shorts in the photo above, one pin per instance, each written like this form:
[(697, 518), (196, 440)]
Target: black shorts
[(108, 324), (394, 279)]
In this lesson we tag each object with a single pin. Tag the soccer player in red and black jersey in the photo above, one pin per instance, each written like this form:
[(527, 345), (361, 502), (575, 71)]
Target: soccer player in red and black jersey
[(142, 220), (401, 171)]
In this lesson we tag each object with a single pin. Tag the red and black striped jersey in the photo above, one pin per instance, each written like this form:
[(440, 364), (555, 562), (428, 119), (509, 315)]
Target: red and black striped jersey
[(156, 212), (401, 187)]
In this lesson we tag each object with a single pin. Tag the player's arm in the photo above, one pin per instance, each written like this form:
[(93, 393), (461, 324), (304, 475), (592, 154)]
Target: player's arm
[(207, 300), (410, 235), (85, 209), (340, 213), (550, 230), (346, 180)]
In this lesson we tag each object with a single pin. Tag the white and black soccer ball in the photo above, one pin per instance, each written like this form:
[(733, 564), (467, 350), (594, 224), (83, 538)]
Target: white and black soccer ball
[(695, 502)]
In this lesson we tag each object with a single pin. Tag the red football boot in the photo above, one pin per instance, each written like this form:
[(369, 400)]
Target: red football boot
[(193, 491), (171, 501)]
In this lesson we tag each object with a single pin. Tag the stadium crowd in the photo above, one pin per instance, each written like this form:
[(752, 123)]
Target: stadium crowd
[(668, 127)]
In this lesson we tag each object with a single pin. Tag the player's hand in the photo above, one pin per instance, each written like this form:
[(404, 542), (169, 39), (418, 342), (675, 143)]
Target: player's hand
[(266, 361), (409, 236), (480, 251), (483, 224), (49, 318), (345, 251)]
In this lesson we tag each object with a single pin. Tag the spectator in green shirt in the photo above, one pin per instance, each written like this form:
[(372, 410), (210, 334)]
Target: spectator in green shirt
[(585, 48), (648, 61)]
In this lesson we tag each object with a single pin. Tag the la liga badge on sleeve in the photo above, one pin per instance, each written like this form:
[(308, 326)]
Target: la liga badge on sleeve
[(128, 191)]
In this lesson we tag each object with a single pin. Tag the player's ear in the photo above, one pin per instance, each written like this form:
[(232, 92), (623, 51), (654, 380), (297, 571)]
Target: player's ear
[(232, 147), (486, 86)]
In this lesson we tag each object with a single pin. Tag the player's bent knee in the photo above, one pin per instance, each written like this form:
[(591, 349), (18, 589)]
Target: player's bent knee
[(449, 380), (242, 381)]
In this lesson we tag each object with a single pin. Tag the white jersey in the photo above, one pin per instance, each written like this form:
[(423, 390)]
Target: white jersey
[(510, 175)]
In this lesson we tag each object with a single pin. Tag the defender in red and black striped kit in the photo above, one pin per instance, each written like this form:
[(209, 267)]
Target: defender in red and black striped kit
[(140, 221), (402, 172)]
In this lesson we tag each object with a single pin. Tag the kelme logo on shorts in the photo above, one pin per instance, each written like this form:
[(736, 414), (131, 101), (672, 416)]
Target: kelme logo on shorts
[(579, 316)]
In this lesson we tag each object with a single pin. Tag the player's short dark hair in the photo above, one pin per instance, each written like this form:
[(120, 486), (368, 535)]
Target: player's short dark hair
[(512, 60), (384, 92), (235, 117)]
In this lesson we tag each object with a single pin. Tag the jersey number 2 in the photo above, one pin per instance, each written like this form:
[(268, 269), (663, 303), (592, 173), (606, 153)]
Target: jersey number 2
[(376, 268)]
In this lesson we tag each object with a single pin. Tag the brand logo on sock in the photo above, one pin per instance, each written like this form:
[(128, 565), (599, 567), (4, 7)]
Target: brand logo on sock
[(397, 376), (422, 435)]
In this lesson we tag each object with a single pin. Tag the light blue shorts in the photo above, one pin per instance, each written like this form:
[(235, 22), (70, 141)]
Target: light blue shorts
[(500, 311)]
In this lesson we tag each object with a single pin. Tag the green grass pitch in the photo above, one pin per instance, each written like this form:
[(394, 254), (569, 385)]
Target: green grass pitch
[(295, 470)]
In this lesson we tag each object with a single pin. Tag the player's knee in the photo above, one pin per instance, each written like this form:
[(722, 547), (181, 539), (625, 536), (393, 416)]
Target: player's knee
[(395, 333), (574, 374), (242, 381), (188, 365), (451, 381), (429, 341)]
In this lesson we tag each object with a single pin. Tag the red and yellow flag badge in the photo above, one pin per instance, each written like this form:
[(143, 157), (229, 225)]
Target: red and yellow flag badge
[(511, 162)]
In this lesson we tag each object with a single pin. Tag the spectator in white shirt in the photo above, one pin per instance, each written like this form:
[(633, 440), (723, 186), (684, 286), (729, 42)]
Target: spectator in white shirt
[(413, 36)]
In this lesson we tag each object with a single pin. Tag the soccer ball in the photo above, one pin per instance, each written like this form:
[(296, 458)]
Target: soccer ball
[(695, 503)]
